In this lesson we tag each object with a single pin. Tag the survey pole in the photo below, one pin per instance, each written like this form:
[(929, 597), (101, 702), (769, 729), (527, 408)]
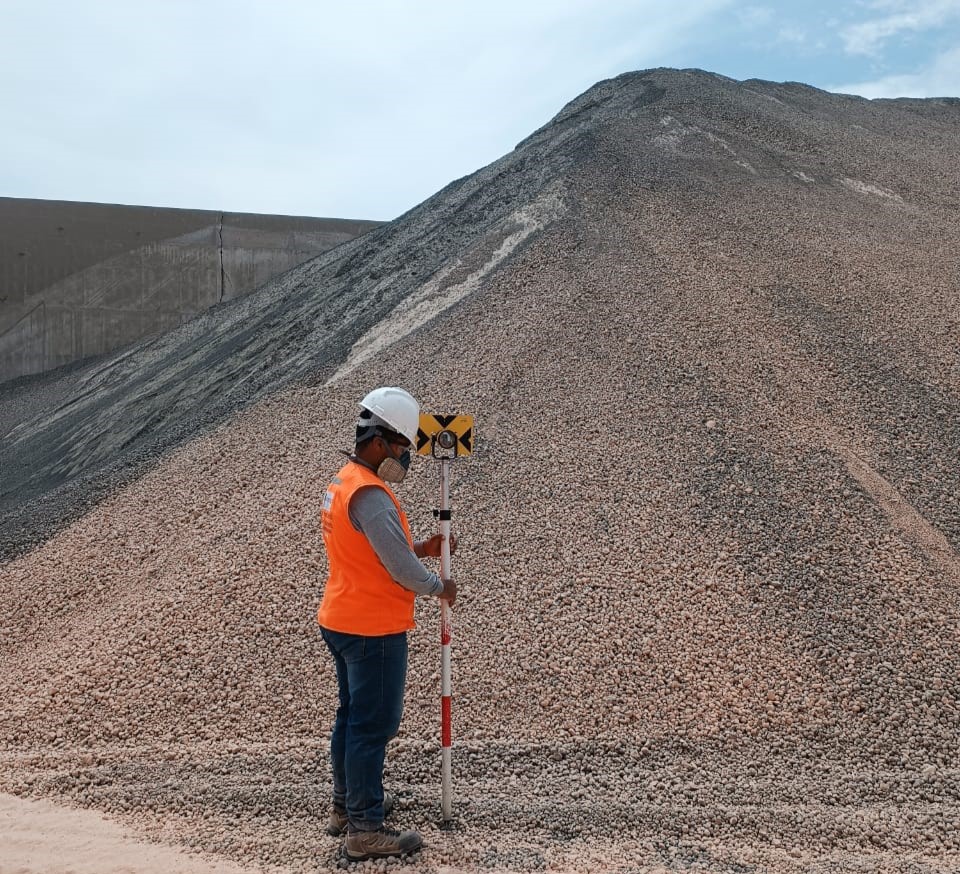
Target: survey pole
[(446, 635), (445, 438)]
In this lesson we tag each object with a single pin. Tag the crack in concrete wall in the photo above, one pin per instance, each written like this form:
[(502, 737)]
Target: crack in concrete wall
[(220, 252)]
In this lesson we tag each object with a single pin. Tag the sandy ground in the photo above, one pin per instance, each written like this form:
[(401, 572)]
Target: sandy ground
[(39, 837)]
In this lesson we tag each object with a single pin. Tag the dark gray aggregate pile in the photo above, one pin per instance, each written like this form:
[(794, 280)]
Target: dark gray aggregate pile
[(709, 570), (69, 438)]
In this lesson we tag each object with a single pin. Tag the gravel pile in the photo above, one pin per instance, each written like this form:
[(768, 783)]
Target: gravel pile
[(708, 567)]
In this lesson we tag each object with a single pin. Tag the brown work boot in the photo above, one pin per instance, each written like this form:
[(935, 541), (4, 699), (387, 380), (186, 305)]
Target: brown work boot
[(383, 842), (338, 818)]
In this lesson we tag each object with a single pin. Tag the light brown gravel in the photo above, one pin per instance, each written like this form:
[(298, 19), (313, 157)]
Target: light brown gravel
[(709, 591)]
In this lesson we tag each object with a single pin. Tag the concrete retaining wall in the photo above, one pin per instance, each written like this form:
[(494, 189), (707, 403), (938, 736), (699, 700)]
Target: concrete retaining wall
[(78, 279)]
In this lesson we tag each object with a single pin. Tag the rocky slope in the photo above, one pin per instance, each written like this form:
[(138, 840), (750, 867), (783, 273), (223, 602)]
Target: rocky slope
[(709, 566), (69, 438)]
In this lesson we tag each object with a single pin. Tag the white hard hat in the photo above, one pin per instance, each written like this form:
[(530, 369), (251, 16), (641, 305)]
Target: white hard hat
[(397, 408)]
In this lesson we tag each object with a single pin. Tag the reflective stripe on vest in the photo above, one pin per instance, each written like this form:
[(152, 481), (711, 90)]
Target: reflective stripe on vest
[(360, 596)]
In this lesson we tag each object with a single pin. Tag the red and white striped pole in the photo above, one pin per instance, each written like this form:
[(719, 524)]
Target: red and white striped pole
[(446, 734)]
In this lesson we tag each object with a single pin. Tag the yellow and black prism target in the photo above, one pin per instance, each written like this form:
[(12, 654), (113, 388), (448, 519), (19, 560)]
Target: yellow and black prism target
[(436, 430)]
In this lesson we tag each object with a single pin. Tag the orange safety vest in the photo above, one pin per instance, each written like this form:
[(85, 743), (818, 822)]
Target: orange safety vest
[(360, 596)]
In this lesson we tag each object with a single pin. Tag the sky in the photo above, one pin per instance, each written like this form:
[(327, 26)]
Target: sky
[(362, 110)]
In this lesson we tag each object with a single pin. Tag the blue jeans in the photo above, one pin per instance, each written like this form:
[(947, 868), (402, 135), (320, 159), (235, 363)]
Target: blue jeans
[(371, 674)]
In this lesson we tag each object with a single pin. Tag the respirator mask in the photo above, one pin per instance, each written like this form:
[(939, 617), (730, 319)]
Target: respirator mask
[(394, 467)]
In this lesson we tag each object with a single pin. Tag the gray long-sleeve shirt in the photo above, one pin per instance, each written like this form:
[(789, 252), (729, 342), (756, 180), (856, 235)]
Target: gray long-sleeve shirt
[(373, 513)]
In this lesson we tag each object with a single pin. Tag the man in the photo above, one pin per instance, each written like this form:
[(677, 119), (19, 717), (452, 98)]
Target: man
[(366, 611)]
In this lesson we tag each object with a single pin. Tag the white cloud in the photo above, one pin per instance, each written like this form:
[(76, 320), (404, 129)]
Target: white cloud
[(869, 37), (755, 16), (796, 36), (941, 78)]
